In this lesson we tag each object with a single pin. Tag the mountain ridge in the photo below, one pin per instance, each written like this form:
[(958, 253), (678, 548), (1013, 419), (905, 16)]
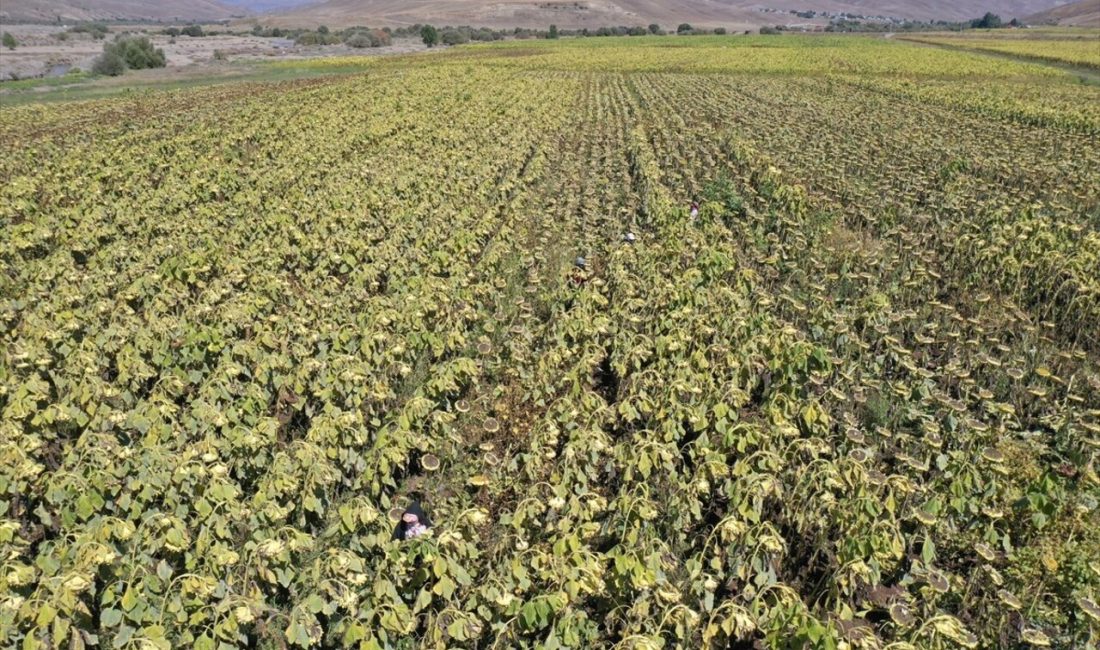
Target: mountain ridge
[(526, 13), (597, 13), (70, 11), (1083, 13)]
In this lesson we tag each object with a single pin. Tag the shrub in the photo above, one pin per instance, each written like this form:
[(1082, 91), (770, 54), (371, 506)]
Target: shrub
[(553, 31), (453, 37), (8, 41), (357, 40), (128, 52), (654, 28), (485, 35), (721, 31), (367, 38), (684, 28), (109, 63), (97, 30), (139, 53), (430, 35), (380, 38), (193, 31), (768, 30)]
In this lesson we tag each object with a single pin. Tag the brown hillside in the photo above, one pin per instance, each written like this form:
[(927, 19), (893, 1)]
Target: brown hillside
[(67, 11), (595, 13), (1084, 13)]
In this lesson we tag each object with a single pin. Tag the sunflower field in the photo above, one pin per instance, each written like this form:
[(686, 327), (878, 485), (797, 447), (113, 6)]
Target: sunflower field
[(853, 403)]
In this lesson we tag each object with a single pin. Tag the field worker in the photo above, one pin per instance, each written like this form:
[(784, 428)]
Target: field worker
[(414, 523), (694, 210), (629, 238), (580, 272)]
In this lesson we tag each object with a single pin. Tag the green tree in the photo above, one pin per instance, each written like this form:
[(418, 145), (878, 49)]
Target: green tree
[(553, 31), (322, 29), (989, 21), (654, 28), (9, 41), (684, 28), (430, 35)]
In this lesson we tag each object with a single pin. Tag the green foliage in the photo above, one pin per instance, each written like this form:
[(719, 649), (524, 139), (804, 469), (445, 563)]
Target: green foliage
[(876, 411), (367, 38), (722, 190), (8, 41), (553, 33), (430, 35), (684, 28), (989, 21), (128, 52), (97, 30), (110, 63), (453, 37), (138, 52), (326, 38), (195, 31), (654, 28)]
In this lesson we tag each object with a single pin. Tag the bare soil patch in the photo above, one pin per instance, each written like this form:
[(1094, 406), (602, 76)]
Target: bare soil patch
[(47, 51)]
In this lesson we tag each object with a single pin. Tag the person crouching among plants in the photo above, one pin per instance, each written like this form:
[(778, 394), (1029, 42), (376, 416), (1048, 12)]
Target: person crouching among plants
[(414, 522), (579, 276)]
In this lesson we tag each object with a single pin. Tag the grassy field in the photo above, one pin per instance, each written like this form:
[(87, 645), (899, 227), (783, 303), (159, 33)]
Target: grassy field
[(854, 403), (1068, 46)]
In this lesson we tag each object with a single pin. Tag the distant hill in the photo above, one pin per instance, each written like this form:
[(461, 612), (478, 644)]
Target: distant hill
[(532, 13), (67, 11), (668, 13), (1084, 13), (260, 6)]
